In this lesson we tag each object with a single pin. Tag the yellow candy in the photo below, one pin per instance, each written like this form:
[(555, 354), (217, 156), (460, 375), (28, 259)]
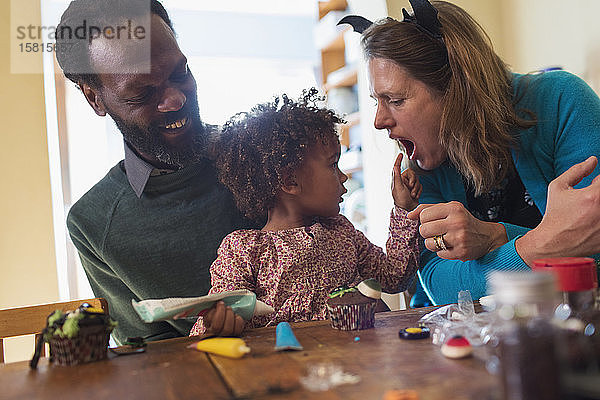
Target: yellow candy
[(228, 347), (94, 310)]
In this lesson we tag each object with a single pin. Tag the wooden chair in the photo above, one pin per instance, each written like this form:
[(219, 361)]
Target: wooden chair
[(31, 320)]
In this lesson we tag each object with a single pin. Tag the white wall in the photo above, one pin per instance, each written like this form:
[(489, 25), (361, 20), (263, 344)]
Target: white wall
[(554, 32), (27, 256)]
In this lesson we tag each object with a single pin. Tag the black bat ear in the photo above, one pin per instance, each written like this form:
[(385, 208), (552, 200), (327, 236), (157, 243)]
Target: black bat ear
[(426, 16), (360, 24)]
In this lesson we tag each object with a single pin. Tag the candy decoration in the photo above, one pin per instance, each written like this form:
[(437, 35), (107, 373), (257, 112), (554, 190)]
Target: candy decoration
[(342, 290), (400, 395), (370, 288), (285, 338), (414, 333), (457, 347), (223, 346)]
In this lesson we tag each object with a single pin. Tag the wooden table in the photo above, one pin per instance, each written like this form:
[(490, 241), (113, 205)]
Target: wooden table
[(169, 370)]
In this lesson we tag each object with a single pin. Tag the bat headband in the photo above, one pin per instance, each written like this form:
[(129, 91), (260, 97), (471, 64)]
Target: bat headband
[(425, 19)]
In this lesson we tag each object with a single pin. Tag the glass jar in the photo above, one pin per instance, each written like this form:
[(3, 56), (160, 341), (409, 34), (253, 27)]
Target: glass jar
[(578, 317), (525, 302)]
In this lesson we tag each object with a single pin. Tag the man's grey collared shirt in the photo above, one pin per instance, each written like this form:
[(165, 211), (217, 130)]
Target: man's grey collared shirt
[(139, 171)]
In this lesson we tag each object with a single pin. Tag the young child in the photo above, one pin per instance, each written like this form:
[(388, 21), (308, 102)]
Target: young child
[(280, 161)]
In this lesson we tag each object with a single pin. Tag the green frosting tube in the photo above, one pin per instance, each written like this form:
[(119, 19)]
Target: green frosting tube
[(242, 305), (242, 302)]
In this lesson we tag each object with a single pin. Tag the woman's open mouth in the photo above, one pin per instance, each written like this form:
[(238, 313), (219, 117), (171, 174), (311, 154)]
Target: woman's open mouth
[(409, 146)]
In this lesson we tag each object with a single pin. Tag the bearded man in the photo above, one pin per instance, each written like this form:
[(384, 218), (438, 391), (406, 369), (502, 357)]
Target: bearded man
[(151, 227)]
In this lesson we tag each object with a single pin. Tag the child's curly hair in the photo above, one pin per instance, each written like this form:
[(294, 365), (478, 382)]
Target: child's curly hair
[(258, 149)]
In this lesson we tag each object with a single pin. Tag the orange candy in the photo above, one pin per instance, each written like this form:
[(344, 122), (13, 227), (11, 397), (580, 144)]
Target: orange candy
[(400, 395)]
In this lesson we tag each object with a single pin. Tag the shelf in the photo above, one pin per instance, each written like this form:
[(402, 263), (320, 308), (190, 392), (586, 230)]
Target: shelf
[(331, 5), (350, 171), (329, 37), (335, 43), (329, 40), (351, 120), (345, 76)]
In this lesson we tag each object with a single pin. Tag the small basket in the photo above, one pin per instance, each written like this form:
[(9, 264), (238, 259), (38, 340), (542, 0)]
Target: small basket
[(83, 348)]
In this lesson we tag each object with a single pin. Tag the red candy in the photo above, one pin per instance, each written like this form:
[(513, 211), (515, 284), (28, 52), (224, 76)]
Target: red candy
[(457, 347), (458, 341)]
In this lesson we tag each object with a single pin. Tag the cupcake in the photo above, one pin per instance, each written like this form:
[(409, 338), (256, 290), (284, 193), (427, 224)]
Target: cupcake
[(354, 308), (76, 337)]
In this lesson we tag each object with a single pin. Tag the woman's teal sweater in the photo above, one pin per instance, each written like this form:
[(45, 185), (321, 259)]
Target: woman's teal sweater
[(567, 132)]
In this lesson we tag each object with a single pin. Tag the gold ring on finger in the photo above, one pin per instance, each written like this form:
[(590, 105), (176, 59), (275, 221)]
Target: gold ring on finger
[(439, 242)]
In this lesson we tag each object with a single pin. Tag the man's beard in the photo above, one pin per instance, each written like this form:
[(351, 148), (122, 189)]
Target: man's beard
[(150, 141)]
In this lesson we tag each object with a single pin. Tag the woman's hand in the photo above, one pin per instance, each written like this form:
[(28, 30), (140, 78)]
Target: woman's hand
[(464, 236), (406, 187), (571, 225), (222, 321)]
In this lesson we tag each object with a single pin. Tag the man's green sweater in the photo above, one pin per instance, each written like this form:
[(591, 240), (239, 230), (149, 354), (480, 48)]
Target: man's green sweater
[(156, 246)]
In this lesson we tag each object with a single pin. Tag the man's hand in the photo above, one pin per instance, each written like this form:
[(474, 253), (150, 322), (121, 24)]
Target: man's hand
[(571, 225), (465, 237), (406, 187), (222, 321)]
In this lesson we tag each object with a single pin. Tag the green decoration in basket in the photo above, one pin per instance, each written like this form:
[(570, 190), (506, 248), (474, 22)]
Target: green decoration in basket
[(75, 337)]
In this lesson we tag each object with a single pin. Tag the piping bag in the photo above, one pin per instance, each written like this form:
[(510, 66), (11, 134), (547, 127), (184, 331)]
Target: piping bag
[(224, 346), (285, 338), (242, 302)]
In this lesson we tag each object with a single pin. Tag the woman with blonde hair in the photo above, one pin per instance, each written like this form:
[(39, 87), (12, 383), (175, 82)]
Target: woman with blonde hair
[(500, 152)]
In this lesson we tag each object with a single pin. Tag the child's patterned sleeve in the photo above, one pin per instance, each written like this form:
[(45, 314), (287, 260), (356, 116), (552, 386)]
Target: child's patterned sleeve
[(198, 328), (230, 271), (395, 270)]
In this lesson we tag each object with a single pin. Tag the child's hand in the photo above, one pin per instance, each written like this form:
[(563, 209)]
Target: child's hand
[(406, 187), (222, 321)]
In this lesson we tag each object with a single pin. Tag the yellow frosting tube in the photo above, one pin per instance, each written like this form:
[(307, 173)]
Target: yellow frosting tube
[(228, 347)]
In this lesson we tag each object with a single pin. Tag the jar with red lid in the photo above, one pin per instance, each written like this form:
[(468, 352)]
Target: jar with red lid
[(579, 312), (522, 323)]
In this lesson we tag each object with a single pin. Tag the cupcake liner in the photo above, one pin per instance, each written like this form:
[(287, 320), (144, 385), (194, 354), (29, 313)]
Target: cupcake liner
[(350, 317), (80, 349)]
